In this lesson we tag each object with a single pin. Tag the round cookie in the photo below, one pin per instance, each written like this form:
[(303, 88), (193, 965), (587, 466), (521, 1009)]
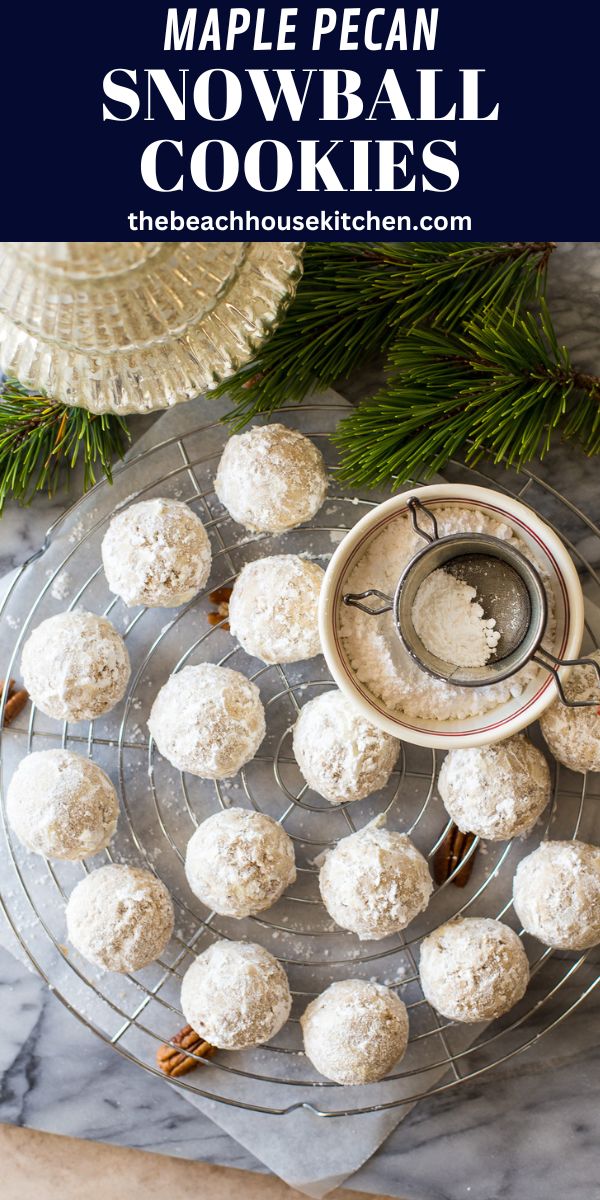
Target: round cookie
[(239, 862), (340, 754), (271, 478), (62, 805), (120, 917), (498, 791), (75, 666), (208, 720), (375, 882), (573, 734), (273, 610), (156, 553), (473, 969), (235, 995), (556, 894), (355, 1031)]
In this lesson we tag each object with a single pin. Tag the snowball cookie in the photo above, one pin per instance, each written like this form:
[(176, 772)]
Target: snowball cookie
[(273, 608), (375, 881), (473, 969), (75, 666), (556, 894), (236, 995), (239, 862), (355, 1031), (271, 478), (573, 734), (496, 791), (156, 553), (208, 720), (62, 805), (120, 918), (340, 754)]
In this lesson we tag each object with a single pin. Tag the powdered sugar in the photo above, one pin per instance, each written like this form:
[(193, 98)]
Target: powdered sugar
[(451, 623), (61, 586), (373, 647)]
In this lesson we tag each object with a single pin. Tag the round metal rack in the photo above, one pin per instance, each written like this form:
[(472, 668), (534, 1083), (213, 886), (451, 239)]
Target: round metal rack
[(161, 808)]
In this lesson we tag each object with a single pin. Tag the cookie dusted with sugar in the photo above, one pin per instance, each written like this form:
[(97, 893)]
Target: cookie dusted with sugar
[(239, 862), (273, 610), (156, 553), (120, 917), (496, 792), (236, 995), (341, 755), (208, 720), (62, 805), (473, 969), (556, 894), (271, 478), (375, 882), (355, 1031), (573, 734), (75, 666)]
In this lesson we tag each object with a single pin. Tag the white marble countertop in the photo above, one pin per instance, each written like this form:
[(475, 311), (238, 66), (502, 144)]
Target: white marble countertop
[(530, 1126)]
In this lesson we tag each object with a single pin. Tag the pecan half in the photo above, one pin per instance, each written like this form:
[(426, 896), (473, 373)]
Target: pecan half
[(16, 699), (174, 1062), (221, 597), (450, 853)]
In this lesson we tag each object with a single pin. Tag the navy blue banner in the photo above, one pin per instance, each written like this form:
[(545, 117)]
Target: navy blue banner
[(467, 120)]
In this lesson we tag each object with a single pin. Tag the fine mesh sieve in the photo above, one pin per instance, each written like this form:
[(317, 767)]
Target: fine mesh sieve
[(508, 588)]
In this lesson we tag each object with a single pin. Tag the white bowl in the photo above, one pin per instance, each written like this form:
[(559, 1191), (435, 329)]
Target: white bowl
[(508, 718)]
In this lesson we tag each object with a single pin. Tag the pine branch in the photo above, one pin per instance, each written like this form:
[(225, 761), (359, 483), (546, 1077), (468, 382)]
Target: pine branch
[(355, 297), (39, 437), (501, 389)]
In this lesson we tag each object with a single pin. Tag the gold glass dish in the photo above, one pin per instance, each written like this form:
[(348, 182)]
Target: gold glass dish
[(133, 326)]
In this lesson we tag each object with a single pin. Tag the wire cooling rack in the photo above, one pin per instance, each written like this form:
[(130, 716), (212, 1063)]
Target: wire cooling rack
[(160, 808)]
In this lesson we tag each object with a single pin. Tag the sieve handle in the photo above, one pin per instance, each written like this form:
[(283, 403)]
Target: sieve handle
[(551, 663), (417, 507), (352, 600)]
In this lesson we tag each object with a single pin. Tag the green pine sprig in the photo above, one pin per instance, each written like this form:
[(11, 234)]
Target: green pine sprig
[(39, 438), (500, 388), (355, 298)]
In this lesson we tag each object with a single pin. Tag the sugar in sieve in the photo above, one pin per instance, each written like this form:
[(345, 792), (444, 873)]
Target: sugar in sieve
[(509, 589)]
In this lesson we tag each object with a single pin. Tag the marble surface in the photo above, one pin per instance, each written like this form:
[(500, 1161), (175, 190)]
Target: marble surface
[(504, 1135)]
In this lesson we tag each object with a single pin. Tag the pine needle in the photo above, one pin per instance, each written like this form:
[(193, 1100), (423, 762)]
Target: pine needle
[(500, 389), (40, 438), (356, 297)]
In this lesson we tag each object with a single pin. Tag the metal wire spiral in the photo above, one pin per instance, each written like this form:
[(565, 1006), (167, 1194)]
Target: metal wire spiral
[(161, 809)]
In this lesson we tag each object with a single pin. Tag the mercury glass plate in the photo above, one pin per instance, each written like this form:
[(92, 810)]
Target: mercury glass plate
[(129, 327)]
